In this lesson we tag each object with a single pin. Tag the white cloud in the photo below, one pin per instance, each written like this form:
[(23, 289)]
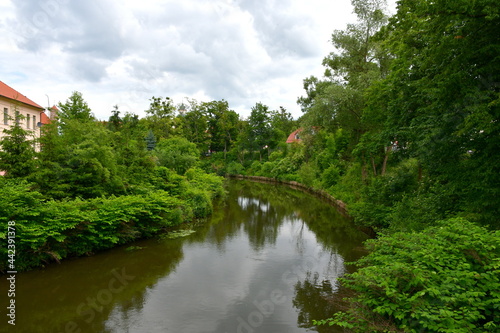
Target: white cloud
[(125, 52)]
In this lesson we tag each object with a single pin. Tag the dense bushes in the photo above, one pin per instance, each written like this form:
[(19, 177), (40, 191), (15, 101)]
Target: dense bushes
[(443, 279), (177, 153), (48, 230)]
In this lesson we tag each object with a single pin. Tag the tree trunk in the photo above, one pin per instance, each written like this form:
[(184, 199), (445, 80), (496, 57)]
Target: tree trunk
[(374, 166), (386, 157), (241, 157), (364, 173)]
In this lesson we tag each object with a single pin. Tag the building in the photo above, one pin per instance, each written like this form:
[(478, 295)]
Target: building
[(295, 136), (16, 107)]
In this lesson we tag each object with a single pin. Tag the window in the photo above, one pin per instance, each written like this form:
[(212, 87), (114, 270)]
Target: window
[(5, 116), (17, 117), (34, 122), (28, 120)]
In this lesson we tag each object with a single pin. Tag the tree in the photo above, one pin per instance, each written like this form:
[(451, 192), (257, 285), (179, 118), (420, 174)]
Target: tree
[(150, 140), (78, 162), (115, 122), (444, 96), (17, 152), (338, 100), (75, 108), (161, 108), (52, 174), (259, 128), (177, 154), (194, 125), (222, 125), (282, 124), (159, 117)]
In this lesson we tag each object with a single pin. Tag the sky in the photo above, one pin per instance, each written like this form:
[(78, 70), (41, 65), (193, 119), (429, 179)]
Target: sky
[(124, 52)]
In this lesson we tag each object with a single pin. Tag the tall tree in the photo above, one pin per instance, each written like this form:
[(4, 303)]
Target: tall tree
[(282, 123), (17, 152), (260, 132), (115, 121), (222, 125), (194, 125), (444, 95), (338, 99), (75, 108), (159, 117)]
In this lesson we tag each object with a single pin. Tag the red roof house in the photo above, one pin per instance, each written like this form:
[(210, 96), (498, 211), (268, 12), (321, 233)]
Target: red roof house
[(44, 119), (295, 136), (13, 94), (15, 108)]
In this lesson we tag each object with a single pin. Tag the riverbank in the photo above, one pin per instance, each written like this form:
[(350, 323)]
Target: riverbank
[(342, 207), (47, 231), (338, 204)]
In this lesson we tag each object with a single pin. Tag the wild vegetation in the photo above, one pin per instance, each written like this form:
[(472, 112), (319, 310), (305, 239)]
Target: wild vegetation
[(403, 127), (94, 185)]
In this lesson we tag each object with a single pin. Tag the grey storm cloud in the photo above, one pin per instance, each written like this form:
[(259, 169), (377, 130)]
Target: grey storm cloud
[(86, 31), (77, 26), (238, 50), (195, 40), (282, 31), (199, 45)]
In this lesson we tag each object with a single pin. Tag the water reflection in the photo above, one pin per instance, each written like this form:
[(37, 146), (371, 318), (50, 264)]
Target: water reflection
[(266, 261)]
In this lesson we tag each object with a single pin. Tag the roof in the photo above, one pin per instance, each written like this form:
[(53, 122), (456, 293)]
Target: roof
[(54, 111), (13, 94), (44, 119), (294, 136)]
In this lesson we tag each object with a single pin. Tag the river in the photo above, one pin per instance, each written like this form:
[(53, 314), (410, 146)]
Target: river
[(266, 261)]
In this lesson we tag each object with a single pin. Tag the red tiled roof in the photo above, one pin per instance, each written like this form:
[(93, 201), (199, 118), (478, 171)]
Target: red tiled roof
[(293, 137), (44, 119), (13, 94)]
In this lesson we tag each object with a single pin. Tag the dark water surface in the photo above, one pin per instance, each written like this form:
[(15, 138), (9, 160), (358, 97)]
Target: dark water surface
[(266, 261)]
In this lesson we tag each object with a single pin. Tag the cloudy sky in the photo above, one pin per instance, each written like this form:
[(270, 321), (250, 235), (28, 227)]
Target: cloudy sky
[(124, 52)]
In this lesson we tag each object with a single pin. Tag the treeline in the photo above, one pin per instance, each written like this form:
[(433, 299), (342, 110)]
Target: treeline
[(89, 185)]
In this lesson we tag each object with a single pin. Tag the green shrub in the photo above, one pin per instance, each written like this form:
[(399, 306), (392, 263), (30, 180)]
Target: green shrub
[(443, 279), (235, 168), (330, 176), (307, 174), (205, 181), (348, 188), (255, 168), (200, 201), (276, 155), (177, 153), (383, 192), (267, 169), (168, 180), (52, 230)]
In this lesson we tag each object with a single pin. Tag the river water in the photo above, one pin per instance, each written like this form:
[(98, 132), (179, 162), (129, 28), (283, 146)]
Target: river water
[(266, 261)]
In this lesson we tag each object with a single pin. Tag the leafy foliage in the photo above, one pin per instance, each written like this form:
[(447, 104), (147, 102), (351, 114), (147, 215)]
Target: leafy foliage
[(443, 279), (177, 153), (75, 108), (17, 152), (49, 230)]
